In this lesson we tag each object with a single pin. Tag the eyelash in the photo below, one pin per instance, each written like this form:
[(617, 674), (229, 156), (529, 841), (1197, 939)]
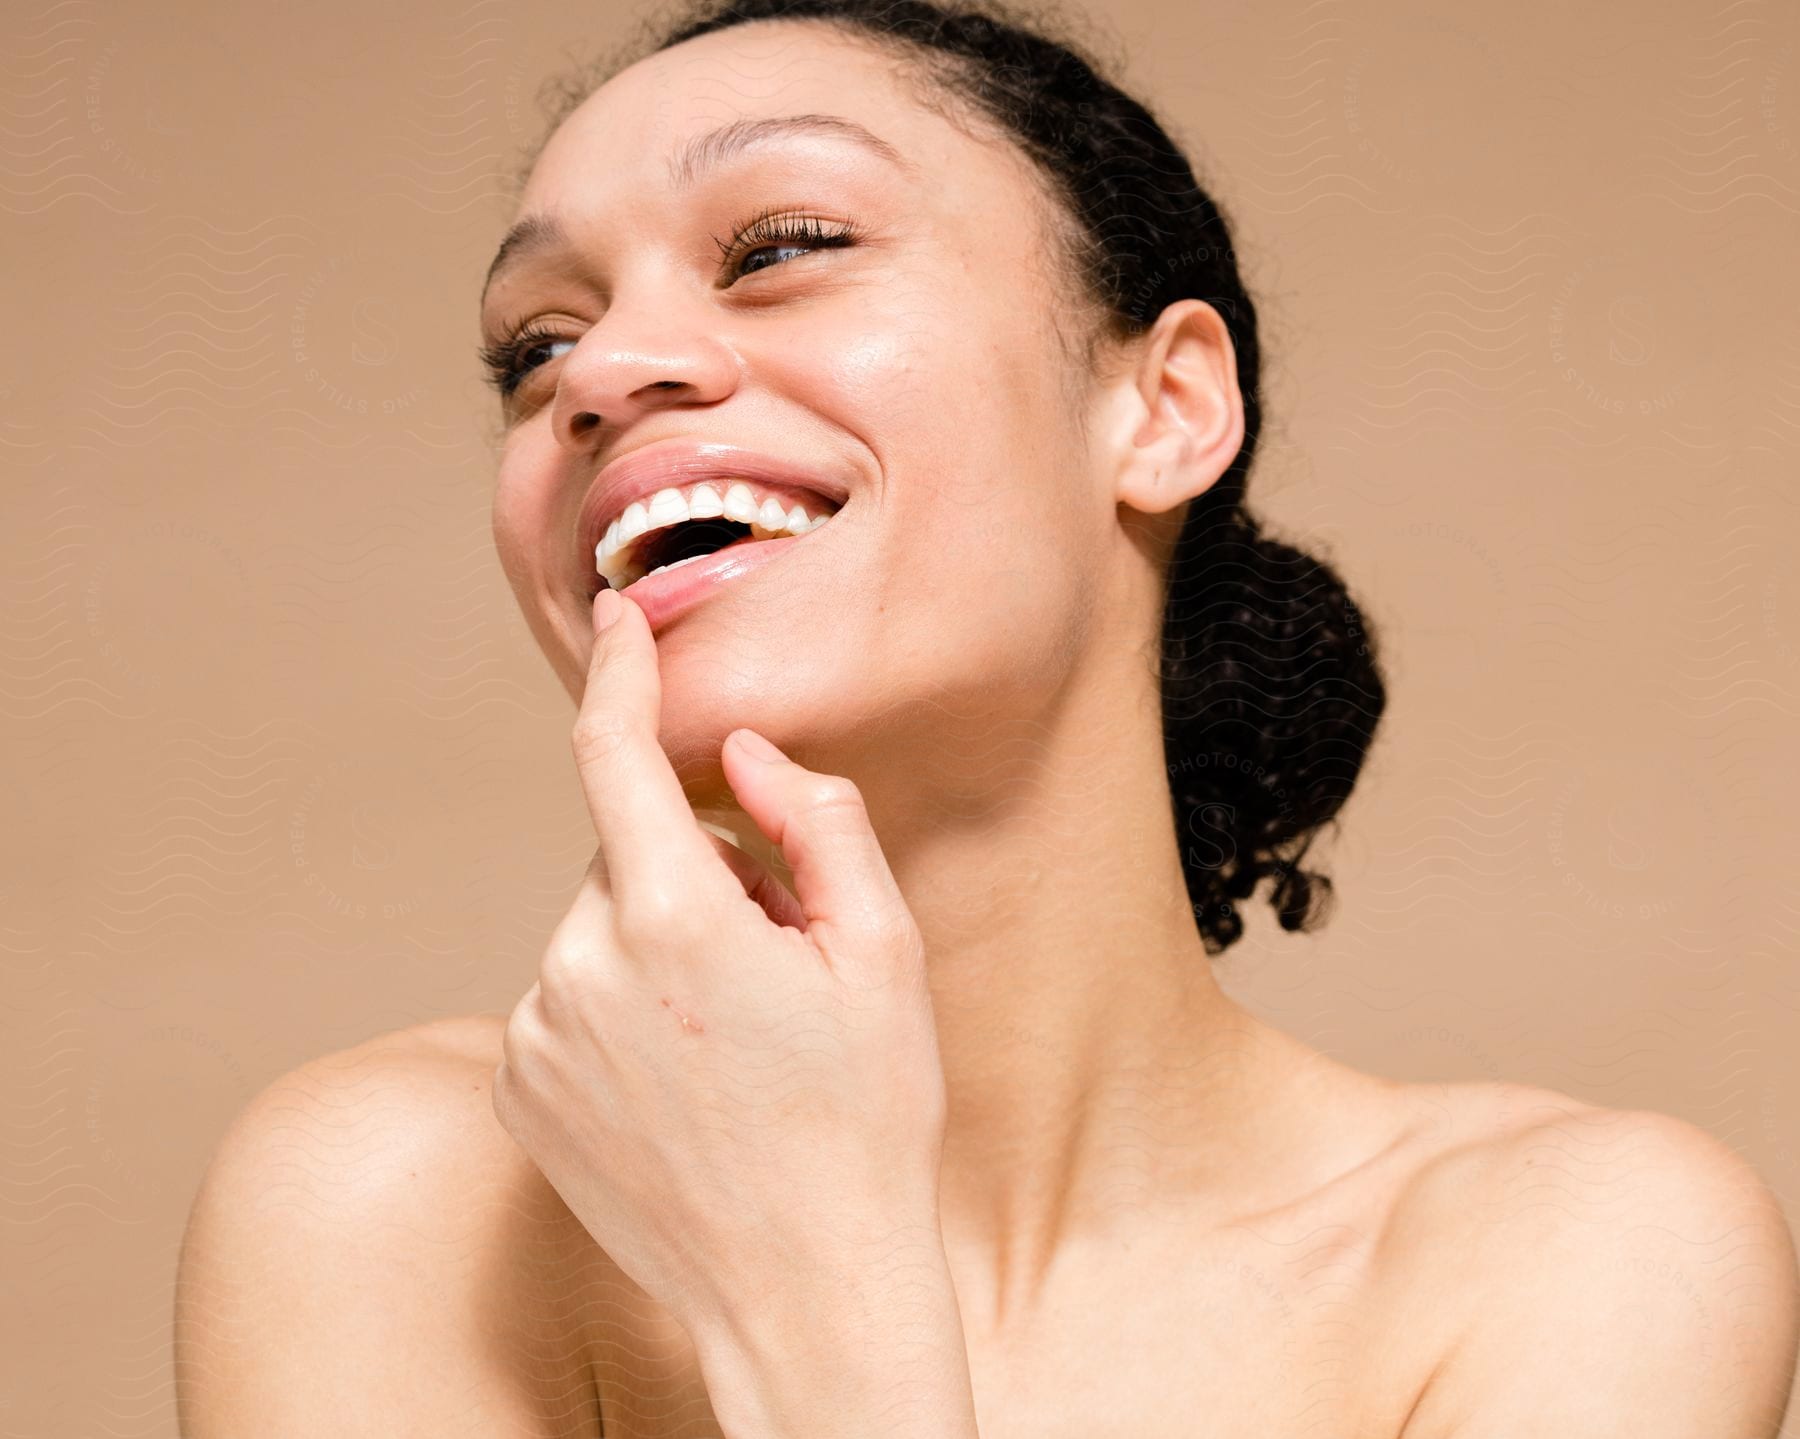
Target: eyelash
[(504, 359)]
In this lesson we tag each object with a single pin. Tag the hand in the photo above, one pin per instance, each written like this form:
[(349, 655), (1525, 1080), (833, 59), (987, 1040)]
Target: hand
[(736, 1089)]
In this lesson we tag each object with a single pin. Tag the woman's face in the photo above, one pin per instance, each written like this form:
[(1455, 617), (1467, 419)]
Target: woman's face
[(952, 594)]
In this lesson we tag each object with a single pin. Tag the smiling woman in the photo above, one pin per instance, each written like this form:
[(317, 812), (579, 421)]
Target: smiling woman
[(880, 394)]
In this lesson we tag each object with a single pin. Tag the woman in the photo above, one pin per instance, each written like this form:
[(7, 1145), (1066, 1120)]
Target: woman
[(924, 1114)]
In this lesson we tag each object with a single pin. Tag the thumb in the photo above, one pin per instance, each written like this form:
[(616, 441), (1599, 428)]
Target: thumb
[(853, 907)]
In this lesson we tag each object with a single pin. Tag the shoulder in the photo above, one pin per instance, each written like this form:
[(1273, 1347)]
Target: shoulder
[(379, 1122), (365, 1226), (1609, 1265), (1537, 1172)]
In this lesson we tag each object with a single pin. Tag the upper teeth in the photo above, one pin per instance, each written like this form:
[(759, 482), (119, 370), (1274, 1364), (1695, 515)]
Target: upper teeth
[(766, 518)]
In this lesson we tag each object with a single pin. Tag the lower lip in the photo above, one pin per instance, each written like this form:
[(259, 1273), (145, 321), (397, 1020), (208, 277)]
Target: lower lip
[(666, 595)]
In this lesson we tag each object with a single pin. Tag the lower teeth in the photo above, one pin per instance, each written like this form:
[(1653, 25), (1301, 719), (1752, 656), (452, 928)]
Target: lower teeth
[(757, 532), (679, 563), (741, 540)]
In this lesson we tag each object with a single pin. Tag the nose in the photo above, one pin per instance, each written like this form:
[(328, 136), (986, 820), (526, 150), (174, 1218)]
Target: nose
[(630, 364)]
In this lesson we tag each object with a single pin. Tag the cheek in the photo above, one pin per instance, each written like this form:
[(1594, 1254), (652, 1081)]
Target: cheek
[(932, 390), (877, 377), (983, 608), (983, 544), (966, 408), (523, 520)]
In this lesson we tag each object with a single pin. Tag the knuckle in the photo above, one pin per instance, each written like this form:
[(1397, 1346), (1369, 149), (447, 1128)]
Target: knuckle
[(560, 970), (898, 933), (600, 734), (571, 977), (652, 915), (521, 1041), (913, 946), (832, 795)]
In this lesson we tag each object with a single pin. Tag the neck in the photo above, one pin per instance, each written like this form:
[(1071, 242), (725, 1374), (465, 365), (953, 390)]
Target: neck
[(1094, 1070), (1092, 1064)]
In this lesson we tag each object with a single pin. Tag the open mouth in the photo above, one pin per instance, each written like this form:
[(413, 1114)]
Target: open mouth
[(680, 526), (690, 540)]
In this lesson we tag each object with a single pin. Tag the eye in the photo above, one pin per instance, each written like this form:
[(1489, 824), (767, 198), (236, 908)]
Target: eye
[(772, 232), (506, 360)]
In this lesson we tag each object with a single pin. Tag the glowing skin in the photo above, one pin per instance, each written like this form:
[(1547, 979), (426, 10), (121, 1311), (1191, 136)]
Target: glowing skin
[(971, 638), (1155, 1207)]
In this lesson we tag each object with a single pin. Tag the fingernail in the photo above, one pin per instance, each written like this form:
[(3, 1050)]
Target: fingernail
[(757, 747), (607, 607)]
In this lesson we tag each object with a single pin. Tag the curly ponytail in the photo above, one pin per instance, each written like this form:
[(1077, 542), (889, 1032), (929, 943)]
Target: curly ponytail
[(1271, 692), (1271, 687)]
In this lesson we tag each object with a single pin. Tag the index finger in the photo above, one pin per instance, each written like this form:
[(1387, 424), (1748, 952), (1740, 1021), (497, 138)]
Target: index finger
[(649, 838)]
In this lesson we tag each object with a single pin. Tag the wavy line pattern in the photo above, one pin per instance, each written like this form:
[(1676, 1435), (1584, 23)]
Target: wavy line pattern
[(292, 814)]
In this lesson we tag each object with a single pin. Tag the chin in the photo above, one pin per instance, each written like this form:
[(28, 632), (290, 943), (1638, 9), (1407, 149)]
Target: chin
[(721, 667)]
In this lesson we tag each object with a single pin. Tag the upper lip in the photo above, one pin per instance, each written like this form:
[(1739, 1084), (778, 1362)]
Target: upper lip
[(675, 464)]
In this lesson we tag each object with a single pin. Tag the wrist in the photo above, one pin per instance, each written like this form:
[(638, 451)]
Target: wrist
[(875, 1350)]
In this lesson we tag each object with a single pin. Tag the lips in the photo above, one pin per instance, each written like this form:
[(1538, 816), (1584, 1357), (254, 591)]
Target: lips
[(640, 473)]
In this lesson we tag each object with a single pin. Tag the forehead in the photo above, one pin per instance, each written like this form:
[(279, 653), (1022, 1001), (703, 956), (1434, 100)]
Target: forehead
[(636, 134)]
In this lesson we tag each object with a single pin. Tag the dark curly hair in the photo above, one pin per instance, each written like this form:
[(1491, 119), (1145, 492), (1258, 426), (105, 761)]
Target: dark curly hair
[(1271, 687)]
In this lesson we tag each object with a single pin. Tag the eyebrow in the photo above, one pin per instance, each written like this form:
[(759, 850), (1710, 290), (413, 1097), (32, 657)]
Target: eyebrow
[(692, 162)]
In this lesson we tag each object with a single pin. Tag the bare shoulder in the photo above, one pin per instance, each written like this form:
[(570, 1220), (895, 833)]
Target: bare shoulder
[(1532, 1173), (368, 1241), (381, 1123), (1607, 1266)]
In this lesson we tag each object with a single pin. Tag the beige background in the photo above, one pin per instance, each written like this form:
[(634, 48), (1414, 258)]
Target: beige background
[(283, 768)]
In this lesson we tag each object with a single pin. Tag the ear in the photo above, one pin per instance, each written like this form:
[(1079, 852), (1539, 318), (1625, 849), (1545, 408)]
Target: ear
[(1181, 418)]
